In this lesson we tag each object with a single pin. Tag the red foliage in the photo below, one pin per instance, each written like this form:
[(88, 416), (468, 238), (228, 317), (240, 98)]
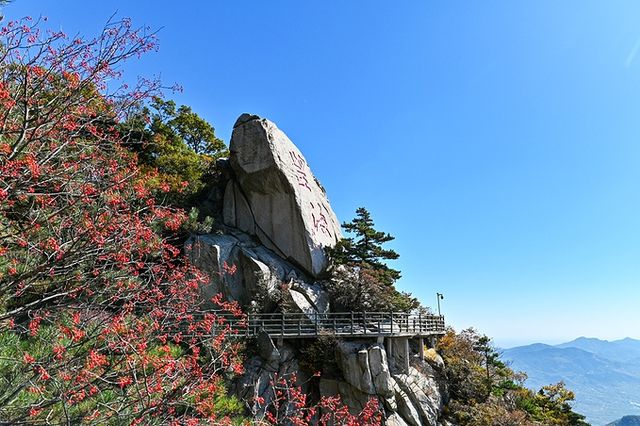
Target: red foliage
[(288, 404), (86, 275)]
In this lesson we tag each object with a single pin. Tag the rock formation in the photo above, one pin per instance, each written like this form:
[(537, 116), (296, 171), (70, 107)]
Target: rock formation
[(275, 197), (277, 223)]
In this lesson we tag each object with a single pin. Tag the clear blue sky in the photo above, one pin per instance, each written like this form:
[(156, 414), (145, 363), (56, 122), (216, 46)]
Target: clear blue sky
[(497, 140)]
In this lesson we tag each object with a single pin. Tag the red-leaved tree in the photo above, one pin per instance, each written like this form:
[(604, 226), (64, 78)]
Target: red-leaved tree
[(100, 318), (288, 404)]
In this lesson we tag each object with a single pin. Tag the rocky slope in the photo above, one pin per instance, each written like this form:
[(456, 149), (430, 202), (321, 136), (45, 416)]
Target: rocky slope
[(277, 223)]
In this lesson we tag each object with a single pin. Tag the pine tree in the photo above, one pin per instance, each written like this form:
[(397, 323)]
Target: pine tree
[(367, 283), (365, 249)]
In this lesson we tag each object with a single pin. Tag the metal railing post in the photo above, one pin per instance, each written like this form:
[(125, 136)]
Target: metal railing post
[(282, 323), (352, 325)]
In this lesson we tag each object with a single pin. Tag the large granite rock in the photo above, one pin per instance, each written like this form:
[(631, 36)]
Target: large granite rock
[(395, 420), (236, 268), (275, 197), (309, 298), (260, 374), (404, 406), (352, 397), (365, 367), (245, 271), (422, 389), (415, 397)]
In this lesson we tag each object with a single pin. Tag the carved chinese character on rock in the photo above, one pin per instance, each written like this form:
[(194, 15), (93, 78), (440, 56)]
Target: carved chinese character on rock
[(320, 222), (300, 169)]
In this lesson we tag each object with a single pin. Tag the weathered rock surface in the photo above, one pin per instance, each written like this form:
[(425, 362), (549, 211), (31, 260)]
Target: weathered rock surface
[(365, 367), (309, 298), (434, 358), (399, 359), (395, 420), (353, 361), (351, 396), (258, 272), (266, 348), (423, 390), (414, 398), (259, 374), (405, 408), (275, 197)]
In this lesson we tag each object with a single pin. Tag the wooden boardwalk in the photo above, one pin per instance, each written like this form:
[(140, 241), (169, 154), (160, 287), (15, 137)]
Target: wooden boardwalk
[(343, 324)]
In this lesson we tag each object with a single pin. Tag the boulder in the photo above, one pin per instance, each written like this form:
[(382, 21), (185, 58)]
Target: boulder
[(209, 253), (434, 359), (379, 367), (311, 299), (404, 406), (266, 348), (353, 360), (233, 268), (400, 355), (423, 391), (252, 270), (275, 197), (259, 375), (395, 420), (365, 367)]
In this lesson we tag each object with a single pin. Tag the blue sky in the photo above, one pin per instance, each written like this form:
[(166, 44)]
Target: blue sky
[(496, 140)]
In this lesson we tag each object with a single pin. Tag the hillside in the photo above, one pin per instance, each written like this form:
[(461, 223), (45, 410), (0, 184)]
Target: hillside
[(605, 376)]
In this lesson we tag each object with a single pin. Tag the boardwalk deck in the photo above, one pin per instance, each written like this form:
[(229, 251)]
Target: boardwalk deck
[(344, 324)]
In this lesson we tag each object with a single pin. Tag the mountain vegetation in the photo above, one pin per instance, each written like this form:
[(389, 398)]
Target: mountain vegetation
[(101, 319), (361, 279), (175, 147), (485, 391)]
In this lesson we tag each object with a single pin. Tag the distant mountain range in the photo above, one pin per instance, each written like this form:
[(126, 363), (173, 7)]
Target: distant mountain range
[(605, 376), (626, 421)]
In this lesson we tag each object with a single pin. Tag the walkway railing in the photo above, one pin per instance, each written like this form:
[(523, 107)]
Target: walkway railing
[(345, 324)]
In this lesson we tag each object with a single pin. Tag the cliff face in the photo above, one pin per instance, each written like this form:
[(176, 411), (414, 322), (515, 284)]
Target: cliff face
[(277, 224)]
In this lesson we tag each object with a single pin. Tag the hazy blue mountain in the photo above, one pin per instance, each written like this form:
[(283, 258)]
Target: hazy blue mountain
[(618, 350), (626, 421), (604, 375)]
